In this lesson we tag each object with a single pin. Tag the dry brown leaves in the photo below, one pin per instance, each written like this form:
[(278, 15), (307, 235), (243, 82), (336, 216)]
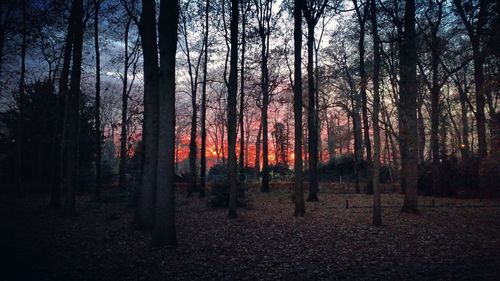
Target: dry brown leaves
[(457, 240)]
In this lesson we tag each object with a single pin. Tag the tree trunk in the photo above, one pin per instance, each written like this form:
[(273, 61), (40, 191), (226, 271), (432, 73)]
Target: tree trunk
[(193, 79), (476, 34), (358, 139), (421, 132), (57, 187), (311, 120), (22, 101), (97, 112), (264, 17), (242, 95), (164, 216), (72, 111), (330, 127), (257, 151), (203, 113), (147, 28), (231, 109), (377, 216), (299, 210), (479, 86), (435, 114), (408, 100), (124, 122), (464, 147)]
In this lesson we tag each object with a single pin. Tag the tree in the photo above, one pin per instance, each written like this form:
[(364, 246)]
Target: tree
[(72, 109), (97, 193), (6, 8), (193, 73), (20, 128), (203, 113), (312, 13), (130, 60), (57, 186), (164, 216), (231, 109), (435, 88), (297, 109), (377, 216), (245, 7), (147, 29), (263, 14), (358, 139), (476, 34), (408, 109)]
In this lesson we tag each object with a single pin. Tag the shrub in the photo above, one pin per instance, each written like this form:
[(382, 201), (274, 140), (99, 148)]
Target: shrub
[(280, 172), (219, 194), (456, 178)]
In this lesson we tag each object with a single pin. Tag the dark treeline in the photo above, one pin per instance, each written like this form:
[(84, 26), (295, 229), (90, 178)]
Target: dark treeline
[(141, 95)]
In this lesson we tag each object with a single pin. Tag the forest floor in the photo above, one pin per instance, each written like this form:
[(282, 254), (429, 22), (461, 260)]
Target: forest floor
[(458, 239)]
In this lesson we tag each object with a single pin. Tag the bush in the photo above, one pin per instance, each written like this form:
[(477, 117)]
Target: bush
[(280, 172), (456, 178), (385, 174), (342, 166), (219, 194)]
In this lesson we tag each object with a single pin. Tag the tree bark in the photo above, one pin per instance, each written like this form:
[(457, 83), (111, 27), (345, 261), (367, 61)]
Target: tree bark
[(257, 151), (476, 33), (358, 139), (97, 110), (408, 110), (193, 79), (231, 109), (311, 122), (124, 120), (203, 113), (377, 213), (22, 101), (147, 28), (241, 123), (164, 216), (72, 111), (263, 11), (299, 210), (57, 187)]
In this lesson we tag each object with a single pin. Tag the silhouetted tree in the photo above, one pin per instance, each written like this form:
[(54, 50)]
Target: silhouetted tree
[(297, 108), (231, 109)]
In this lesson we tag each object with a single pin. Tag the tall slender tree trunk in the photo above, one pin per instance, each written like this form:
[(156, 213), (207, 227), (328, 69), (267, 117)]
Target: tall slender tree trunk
[(311, 120), (203, 113), (377, 212), (72, 112), (358, 139), (435, 113), (124, 120), (97, 112), (164, 216), (408, 100), (22, 100), (476, 33), (193, 79), (257, 150), (299, 210), (465, 146), (242, 95), (263, 11), (421, 131), (147, 28), (231, 109), (330, 127), (479, 86), (57, 187)]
